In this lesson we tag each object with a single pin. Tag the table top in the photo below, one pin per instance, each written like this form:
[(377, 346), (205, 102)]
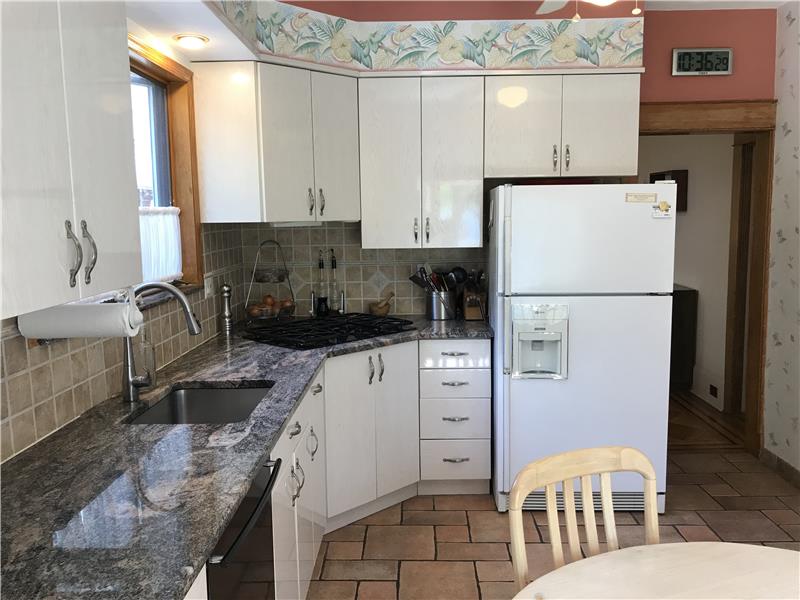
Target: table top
[(695, 570)]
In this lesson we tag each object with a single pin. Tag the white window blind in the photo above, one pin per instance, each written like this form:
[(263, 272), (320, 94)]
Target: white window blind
[(161, 243)]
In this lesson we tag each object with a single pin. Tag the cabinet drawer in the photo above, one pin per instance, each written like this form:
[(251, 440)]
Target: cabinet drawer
[(455, 383), (455, 459), (455, 354), (464, 418), (302, 415)]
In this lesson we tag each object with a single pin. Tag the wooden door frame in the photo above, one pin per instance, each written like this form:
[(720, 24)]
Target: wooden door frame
[(750, 122)]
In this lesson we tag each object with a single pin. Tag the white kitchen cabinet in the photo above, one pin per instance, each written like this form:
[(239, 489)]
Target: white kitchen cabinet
[(391, 154), (523, 125), (600, 125), (562, 125), (396, 418), (72, 77), (452, 162), (334, 103), (284, 531)]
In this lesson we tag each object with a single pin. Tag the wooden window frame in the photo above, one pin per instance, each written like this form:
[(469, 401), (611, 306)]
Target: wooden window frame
[(178, 80)]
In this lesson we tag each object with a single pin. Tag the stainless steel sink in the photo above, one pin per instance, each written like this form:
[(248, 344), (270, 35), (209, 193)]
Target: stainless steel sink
[(204, 405)]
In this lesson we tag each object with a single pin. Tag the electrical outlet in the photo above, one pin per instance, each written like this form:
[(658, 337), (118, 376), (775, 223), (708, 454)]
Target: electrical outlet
[(712, 389)]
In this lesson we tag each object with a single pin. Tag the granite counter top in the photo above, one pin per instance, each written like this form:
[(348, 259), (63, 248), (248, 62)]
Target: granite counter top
[(102, 509)]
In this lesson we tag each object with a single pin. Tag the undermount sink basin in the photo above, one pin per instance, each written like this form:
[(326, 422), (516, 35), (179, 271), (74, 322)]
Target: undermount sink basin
[(196, 405)]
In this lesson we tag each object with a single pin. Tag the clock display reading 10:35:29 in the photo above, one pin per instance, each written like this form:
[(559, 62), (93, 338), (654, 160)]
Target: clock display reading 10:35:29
[(702, 61)]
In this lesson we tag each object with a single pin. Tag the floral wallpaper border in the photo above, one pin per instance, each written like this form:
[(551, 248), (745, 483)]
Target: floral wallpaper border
[(283, 30)]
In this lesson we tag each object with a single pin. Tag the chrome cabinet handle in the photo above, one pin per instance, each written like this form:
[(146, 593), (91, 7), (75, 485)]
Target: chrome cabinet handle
[(455, 383), (427, 229), (73, 272), (311, 202), (295, 494), (92, 257), (302, 473), (371, 370), (313, 435), (295, 430), (317, 389), (321, 203), (456, 460), (416, 229), (382, 367), (454, 353), (455, 419), (566, 157), (555, 158)]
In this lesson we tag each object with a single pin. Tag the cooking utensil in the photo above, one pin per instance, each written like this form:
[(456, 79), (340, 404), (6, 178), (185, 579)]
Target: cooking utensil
[(417, 280), (452, 282), (460, 274)]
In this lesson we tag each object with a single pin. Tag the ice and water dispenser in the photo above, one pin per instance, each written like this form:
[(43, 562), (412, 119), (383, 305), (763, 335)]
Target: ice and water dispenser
[(540, 334)]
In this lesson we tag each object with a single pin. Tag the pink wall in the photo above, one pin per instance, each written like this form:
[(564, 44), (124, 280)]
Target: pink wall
[(751, 34)]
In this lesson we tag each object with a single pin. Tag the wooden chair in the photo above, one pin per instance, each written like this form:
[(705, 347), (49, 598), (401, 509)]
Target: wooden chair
[(564, 468)]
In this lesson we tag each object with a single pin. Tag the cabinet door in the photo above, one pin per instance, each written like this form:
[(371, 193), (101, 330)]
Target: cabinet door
[(287, 151), (601, 125), (94, 38), (284, 532), (304, 510), (350, 431), (36, 254), (390, 140), (397, 417), (452, 162), (523, 126), (334, 101)]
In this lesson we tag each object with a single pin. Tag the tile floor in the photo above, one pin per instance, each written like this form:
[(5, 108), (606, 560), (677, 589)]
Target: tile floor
[(457, 547)]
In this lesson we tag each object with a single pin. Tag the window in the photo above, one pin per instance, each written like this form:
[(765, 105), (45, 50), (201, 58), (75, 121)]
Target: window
[(159, 222)]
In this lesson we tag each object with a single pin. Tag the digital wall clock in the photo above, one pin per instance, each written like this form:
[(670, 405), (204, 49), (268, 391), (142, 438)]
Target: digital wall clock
[(702, 61)]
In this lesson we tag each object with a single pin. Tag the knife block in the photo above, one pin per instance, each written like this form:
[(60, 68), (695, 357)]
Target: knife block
[(474, 304)]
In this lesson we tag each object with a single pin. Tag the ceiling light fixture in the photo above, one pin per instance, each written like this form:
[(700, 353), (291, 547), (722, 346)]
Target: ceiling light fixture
[(190, 41), (601, 2), (577, 16), (636, 10)]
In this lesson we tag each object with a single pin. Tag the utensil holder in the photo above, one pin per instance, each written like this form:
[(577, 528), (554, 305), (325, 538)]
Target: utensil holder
[(441, 306)]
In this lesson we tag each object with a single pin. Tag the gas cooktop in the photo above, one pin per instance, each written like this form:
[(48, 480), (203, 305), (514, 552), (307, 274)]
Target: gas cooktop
[(304, 334)]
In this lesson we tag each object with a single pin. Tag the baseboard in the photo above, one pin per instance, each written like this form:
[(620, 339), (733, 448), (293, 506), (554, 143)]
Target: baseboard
[(370, 508), (444, 487), (784, 469)]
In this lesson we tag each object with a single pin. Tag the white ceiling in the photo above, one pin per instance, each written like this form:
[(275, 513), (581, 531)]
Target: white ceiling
[(162, 20), (709, 4)]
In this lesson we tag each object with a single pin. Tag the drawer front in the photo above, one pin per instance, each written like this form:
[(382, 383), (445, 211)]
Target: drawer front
[(455, 354), (455, 459), (290, 436), (464, 418), (455, 383)]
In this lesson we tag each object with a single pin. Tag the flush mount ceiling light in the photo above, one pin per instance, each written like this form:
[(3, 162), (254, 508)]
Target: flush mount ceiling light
[(601, 2), (190, 41)]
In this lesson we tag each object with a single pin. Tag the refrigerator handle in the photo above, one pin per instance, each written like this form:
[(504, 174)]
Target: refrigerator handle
[(509, 343)]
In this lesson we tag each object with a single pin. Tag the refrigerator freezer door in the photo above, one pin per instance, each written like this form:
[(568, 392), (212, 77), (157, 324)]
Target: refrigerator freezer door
[(617, 390), (591, 239)]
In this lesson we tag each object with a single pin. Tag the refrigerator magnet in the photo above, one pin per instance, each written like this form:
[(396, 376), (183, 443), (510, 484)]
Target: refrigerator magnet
[(662, 210), (641, 197)]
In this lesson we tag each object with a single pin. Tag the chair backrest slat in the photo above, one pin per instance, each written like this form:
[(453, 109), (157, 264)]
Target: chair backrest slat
[(564, 468)]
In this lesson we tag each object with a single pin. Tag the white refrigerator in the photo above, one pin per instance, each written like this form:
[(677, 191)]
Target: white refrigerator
[(580, 302)]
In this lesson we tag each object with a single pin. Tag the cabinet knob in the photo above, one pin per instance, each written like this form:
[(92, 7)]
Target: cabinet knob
[(317, 389), (295, 430), (73, 272)]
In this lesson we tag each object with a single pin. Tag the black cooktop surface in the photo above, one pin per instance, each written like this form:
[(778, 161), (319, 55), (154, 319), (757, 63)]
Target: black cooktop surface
[(305, 334)]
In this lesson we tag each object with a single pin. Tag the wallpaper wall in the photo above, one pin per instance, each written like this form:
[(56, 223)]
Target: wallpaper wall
[(278, 29), (782, 394)]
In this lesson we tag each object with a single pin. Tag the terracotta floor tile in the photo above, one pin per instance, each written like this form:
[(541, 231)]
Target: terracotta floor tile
[(744, 526), (492, 526), (749, 502), (689, 497), (471, 551), (493, 590), (697, 533), (349, 533), (494, 570), (320, 560), (413, 542), (719, 489), (465, 502), (785, 545), (792, 502), (792, 530), (759, 484), (419, 503), (674, 517), (753, 467), (332, 590), (434, 580), (620, 517), (783, 517), (434, 517), (377, 590), (374, 570), (701, 463), (633, 535), (452, 533), (693, 479), (540, 559), (388, 516), (601, 535), (344, 550), (739, 457)]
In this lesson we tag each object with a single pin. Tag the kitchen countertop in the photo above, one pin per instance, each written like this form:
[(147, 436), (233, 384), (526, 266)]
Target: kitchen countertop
[(104, 509)]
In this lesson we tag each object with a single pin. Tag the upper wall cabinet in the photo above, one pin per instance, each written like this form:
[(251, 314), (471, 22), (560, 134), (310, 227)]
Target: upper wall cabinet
[(73, 77), (421, 162), (562, 125), (276, 144)]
